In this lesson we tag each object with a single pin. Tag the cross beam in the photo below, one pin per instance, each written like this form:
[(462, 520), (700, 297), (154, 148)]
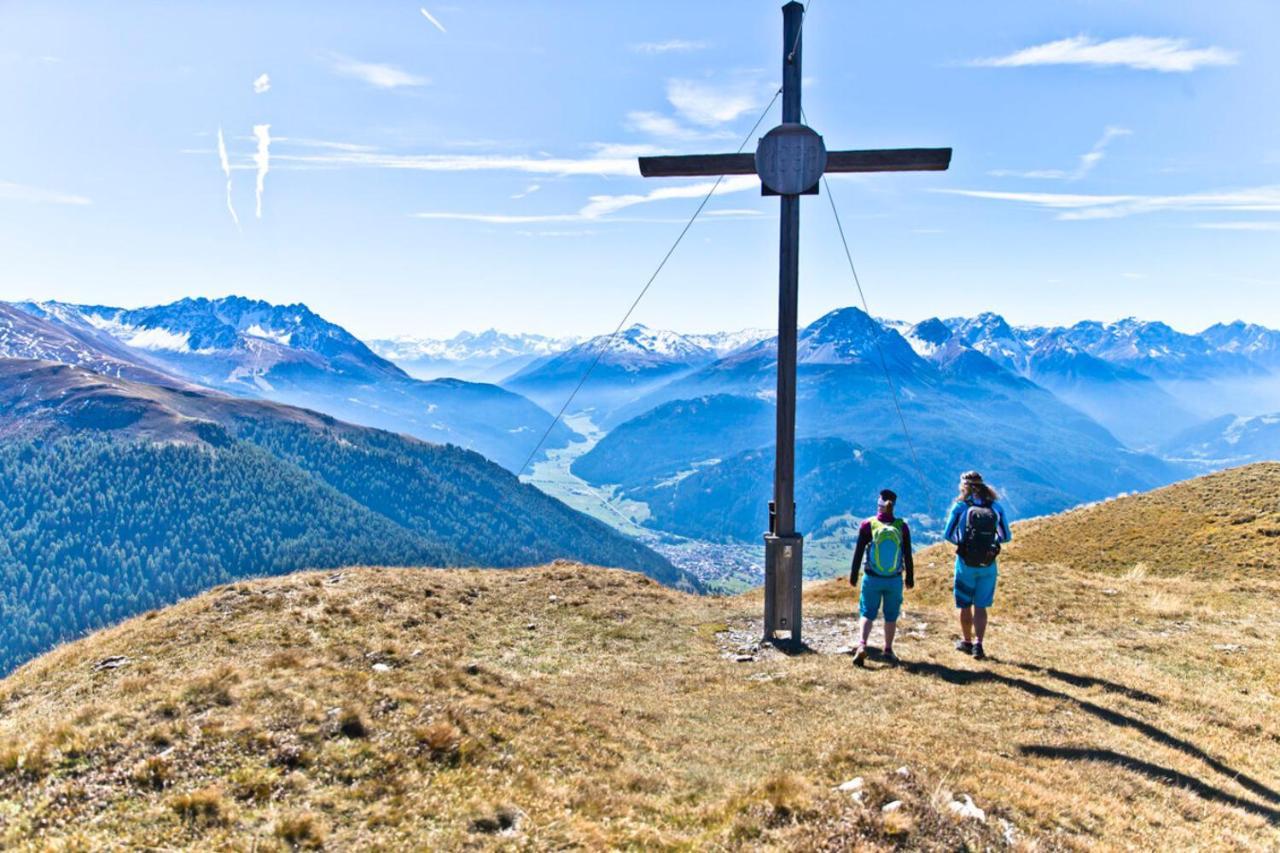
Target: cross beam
[(875, 160), (790, 160)]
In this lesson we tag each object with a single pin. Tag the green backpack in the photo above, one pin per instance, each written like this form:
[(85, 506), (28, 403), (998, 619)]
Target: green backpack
[(885, 556)]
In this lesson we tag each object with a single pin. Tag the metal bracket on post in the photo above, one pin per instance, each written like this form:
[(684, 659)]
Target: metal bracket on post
[(783, 558)]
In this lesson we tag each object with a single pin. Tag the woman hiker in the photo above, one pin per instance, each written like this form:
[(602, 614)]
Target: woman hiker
[(977, 527), (886, 543)]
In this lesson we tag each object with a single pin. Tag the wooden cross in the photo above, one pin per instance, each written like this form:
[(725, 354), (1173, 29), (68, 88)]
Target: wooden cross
[(790, 160)]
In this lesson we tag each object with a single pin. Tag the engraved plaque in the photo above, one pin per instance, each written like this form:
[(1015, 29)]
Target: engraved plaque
[(790, 159)]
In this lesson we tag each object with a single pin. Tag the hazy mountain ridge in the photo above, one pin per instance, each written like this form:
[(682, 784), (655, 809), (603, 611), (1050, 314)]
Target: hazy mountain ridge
[(959, 405), (291, 355)]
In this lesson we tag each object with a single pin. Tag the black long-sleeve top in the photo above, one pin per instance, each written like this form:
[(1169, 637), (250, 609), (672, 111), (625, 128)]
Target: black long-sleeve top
[(862, 551)]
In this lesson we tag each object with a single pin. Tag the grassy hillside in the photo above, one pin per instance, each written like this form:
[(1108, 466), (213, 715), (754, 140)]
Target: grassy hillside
[(1128, 705), (118, 497)]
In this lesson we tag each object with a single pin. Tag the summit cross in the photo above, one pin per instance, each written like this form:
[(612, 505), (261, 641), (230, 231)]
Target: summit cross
[(790, 160)]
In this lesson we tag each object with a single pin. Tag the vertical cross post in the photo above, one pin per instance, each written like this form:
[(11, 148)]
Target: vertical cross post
[(783, 545), (790, 160)]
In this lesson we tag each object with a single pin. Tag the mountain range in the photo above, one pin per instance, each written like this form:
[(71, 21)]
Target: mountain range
[(686, 455), (287, 354), (1057, 415)]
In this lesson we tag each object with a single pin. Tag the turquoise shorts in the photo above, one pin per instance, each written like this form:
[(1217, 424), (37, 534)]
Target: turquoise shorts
[(975, 585), (876, 591)]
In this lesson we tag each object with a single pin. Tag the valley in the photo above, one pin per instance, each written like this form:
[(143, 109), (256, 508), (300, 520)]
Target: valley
[(669, 442)]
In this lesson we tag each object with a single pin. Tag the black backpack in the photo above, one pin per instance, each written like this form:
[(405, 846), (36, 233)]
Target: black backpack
[(981, 542)]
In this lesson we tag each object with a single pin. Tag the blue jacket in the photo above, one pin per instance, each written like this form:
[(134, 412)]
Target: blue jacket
[(956, 523)]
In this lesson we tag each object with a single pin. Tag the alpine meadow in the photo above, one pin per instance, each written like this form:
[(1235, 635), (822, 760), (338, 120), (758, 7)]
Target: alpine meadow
[(757, 426)]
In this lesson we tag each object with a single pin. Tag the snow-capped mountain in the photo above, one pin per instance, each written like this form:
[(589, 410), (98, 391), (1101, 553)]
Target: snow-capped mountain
[(623, 367), (849, 336), (1229, 440), (59, 335), (289, 354), (233, 341), (489, 355), (1256, 343), (990, 335), (728, 343)]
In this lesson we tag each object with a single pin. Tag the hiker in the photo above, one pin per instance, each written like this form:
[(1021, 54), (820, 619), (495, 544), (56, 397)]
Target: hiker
[(977, 527), (886, 543)]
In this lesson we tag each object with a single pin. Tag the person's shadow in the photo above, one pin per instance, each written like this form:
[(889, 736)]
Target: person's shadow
[(965, 677)]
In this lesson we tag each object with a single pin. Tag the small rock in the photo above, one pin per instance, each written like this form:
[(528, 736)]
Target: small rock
[(845, 650), (381, 667), (1009, 831), (532, 626), (857, 796), (890, 808), (966, 809), (553, 598), (743, 658), (904, 771), (1111, 592), (113, 662), (854, 784), (1228, 647)]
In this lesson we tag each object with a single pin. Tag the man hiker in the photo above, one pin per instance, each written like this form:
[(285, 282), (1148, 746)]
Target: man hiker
[(977, 527), (884, 543)]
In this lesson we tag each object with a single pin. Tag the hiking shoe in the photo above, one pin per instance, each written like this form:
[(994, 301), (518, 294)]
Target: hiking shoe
[(890, 658), (978, 653), (964, 646), (860, 656)]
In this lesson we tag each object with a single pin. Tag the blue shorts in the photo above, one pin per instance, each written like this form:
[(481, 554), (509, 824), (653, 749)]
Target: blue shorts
[(975, 586), (877, 590)]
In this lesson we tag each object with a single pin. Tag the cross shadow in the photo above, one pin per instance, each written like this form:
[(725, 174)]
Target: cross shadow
[(964, 677), (1166, 775), (791, 648), (1085, 681)]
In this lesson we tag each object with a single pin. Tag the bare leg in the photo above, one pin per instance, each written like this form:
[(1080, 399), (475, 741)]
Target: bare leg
[(890, 628), (979, 622), (865, 626), (966, 623)]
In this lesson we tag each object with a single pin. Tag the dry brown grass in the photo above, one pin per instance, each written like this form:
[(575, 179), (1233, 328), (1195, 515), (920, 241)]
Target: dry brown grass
[(399, 708)]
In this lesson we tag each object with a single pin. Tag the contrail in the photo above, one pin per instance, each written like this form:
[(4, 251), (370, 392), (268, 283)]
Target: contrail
[(432, 19), (262, 159), (226, 170)]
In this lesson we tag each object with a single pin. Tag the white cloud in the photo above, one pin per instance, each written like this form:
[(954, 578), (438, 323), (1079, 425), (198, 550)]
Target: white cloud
[(431, 18), (665, 127), (710, 104), (1088, 160), (598, 166), (21, 192), (529, 190), (262, 159), (377, 74), (669, 46), (601, 206), (1146, 53), (1081, 206), (226, 170), (262, 84)]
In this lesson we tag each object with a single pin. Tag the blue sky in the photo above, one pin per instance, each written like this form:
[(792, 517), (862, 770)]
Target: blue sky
[(422, 177)]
